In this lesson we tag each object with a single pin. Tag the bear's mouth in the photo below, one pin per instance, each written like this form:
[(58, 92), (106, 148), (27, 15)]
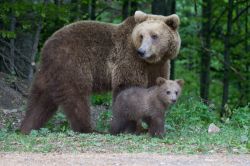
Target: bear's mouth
[(152, 59)]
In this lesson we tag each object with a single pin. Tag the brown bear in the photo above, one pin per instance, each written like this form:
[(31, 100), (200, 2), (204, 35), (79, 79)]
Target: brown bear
[(136, 105), (89, 56)]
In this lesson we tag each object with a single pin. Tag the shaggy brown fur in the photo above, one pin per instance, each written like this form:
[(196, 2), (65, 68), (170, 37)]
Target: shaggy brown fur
[(134, 105), (88, 56)]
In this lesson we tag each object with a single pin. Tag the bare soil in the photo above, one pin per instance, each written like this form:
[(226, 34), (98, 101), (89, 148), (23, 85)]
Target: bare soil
[(97, 159)]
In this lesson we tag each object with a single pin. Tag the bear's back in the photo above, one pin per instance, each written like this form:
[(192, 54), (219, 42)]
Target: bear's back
[(83, 38)]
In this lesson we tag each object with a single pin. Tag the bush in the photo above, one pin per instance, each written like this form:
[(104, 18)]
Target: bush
[(190, 112), (241, 116)]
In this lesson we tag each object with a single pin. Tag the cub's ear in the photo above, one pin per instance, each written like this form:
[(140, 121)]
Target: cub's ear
[(140, 16), (160, 81), (173, 21), (180, 82)]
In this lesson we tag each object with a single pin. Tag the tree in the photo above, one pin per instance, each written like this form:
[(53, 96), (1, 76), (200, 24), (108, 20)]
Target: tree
[(133, 7), (128, 8), (92, 7), (125, 9), (226, 57), (35, 44), (205, 49), (165, 8), (12, 40)]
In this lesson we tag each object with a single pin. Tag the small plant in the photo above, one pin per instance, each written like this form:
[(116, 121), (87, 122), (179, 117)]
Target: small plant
[(58, 123), (241, 116), (103, 122), (101, 99)]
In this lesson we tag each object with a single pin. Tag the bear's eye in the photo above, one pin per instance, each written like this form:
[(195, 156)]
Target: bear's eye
[(176, 92), (154, 36), (168, 92), (141, 37)]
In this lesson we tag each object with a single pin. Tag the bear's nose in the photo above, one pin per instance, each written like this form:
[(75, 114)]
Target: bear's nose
[(141, 53), (173, 100)]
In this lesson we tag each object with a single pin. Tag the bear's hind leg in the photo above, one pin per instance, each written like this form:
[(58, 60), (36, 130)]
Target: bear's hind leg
[(78, 113), (40, 108), (131, 127)]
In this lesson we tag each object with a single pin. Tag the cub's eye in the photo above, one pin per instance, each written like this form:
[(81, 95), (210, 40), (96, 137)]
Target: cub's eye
[(168, 92), (176, 92), (154, 37)]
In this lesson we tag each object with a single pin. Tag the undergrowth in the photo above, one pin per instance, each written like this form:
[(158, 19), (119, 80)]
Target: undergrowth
[(186, 125)]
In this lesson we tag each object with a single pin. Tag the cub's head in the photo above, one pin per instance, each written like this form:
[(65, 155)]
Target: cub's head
[(156, 36), (169, 90)]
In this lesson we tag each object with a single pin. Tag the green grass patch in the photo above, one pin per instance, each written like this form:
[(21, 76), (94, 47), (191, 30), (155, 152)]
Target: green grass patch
[(186, 124), (191, 140)]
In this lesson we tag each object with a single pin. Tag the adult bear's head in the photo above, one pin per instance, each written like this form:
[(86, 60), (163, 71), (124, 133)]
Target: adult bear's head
[(155, 36)]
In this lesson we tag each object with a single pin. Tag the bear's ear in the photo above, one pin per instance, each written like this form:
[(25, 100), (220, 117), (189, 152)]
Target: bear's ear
[(140, 16), (160, 81), (180, 82), (173, 21)]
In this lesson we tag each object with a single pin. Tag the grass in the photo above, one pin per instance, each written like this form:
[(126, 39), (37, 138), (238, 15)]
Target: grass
[(186, 125), (185, 141)]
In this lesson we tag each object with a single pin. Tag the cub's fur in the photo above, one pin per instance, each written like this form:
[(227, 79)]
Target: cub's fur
[(134, 105)]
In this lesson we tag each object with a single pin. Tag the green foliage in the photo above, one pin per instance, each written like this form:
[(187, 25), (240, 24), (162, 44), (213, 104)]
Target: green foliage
[(186, 126), (101, 99), (191, 113), (241, 116), (58, 123), (103, 121)]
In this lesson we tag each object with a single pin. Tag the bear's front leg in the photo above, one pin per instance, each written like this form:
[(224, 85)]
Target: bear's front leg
[(156, 128)]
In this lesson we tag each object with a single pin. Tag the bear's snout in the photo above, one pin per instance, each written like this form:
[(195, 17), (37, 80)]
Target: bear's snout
[(173, 100), (141, 52)]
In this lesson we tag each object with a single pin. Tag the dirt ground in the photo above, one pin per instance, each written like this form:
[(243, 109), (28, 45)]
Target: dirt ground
[(97, 159)]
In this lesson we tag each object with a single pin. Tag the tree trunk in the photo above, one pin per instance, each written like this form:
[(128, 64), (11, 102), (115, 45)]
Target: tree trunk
[(247, 92), (12, 40), (76, 9), (172, 4), (125, 8), (165, 8), (159, 7), (92, 6), (35, 45), (34, 51), (205, 49), (133, 7), (227, 58)]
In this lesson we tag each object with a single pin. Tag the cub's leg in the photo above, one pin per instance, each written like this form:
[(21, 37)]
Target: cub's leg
[(117, 125), (156, 127)]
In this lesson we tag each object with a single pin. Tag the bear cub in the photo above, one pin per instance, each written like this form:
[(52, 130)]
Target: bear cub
[(136, 105)]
